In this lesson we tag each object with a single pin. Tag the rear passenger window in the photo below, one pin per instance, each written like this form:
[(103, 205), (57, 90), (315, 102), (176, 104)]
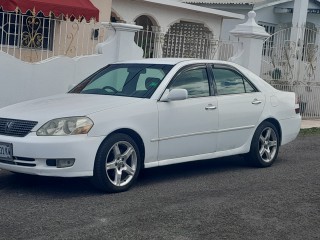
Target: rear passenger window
[(230, 82)]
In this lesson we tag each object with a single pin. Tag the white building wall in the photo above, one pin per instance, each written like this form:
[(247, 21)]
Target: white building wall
[(104, 7), (165, 16)]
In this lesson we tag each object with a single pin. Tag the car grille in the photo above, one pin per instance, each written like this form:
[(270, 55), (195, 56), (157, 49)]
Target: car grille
[(16, 128), (20, 161)]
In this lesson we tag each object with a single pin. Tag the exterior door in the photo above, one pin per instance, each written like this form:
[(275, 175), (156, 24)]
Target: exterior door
[(240, 106), (188, 127)]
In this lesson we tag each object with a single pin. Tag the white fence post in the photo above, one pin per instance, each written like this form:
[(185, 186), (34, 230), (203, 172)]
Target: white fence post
[(121, 45), (252, 35)]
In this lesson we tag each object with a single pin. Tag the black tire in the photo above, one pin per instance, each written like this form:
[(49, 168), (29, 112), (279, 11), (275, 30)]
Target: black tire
[(265, 145), (117, 164)]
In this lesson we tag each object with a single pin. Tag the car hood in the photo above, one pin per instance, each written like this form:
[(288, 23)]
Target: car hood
[(65, 105)]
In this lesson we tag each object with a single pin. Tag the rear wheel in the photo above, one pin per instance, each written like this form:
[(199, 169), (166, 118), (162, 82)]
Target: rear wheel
[(265, 145), (117, 164)]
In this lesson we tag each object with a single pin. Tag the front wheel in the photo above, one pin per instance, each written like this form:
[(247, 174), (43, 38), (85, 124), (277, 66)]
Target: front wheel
[(265, 145), (117, 164)]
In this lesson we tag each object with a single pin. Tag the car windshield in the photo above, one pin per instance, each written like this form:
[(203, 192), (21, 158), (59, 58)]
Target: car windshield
[(129, 80)]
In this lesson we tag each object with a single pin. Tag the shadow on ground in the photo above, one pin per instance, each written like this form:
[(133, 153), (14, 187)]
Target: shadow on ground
[(82, 186)]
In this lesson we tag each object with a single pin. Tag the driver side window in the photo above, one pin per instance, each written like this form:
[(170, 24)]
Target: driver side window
[(194, 80)]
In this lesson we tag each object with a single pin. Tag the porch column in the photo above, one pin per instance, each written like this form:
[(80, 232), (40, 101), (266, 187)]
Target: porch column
[(252, 36), (317, 53), (158, 41), (299, 19)]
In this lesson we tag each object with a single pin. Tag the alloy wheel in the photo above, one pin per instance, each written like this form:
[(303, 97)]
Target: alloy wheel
[(268, 144), (121, 163)]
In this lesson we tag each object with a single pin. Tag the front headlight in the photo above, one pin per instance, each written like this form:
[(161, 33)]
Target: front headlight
[(66, 126)]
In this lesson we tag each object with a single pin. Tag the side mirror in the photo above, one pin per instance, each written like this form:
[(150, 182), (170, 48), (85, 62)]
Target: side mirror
[(174, 95)]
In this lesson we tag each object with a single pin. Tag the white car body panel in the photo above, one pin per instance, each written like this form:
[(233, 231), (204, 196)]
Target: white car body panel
[(81, 148), (238, 117), (63, 105), (184, 123), (172, 132)]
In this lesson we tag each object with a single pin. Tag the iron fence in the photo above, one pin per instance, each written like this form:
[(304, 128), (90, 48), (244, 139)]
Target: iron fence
[(308, 98), (158, 44), (33, 38)]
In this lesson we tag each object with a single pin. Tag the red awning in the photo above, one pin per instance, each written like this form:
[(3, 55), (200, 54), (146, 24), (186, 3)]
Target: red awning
[(75, 8)]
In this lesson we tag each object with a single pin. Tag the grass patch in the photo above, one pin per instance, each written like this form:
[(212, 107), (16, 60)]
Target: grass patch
[(309, 131)]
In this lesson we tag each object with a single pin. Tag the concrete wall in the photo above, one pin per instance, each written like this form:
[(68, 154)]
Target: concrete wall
[(22, 81)]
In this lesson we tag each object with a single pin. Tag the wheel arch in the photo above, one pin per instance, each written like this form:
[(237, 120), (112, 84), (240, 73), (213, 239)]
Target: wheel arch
[(135, 136), (276, 123), (254, 148)]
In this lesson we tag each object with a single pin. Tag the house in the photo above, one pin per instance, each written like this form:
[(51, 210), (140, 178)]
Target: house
[(274, 15), (34, 30), (172, 28)]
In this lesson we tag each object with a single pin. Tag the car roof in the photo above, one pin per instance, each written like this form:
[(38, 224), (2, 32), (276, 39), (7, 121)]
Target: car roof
[(186, 61), (169, 61), (174, 61)]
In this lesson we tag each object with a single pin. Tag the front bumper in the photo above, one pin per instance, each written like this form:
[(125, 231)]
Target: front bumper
[(32, 152)]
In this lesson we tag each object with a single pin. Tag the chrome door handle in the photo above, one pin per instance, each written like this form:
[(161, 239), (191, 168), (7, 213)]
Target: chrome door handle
[(256, 102), (211, 107)]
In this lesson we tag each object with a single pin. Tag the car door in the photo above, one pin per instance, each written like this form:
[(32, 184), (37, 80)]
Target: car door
[(240, 105), (188, 127)]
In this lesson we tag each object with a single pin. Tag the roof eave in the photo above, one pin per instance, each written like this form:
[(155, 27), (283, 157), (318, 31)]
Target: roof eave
[(223, 14), (270, 4)]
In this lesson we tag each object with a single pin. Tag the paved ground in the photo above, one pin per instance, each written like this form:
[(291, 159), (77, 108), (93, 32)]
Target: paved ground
[(218, 199), (310, 123)]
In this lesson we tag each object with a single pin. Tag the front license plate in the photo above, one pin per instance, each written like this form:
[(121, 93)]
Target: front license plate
[(6, 151)]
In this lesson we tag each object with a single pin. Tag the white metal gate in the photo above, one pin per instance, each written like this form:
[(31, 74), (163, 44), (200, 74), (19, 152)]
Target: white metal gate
[(293, 62), (295, 66)]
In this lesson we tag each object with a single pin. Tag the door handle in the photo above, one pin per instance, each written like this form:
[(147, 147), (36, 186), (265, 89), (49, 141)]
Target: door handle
[(256, 101), (211, 107)]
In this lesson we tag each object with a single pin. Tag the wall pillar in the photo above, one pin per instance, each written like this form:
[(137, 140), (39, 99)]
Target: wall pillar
[(299, 19), (120, 44), (317, 52), (252, 36)]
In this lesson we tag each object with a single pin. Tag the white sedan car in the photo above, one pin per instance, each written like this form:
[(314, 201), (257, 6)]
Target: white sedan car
[(148, 113)]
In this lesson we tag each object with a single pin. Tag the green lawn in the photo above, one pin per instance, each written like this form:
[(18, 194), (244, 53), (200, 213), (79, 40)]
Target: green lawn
[(309, 131)]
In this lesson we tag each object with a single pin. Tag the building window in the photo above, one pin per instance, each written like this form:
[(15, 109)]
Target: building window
[(26, 30), (269, 43), (269, 27)]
